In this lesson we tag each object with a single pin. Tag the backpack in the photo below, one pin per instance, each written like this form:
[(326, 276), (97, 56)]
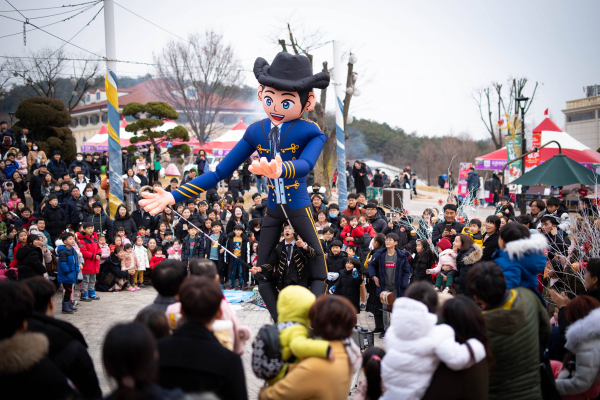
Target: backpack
[(266, 351)]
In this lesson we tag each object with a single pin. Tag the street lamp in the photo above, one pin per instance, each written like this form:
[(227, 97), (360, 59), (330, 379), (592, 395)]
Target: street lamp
[(12, 116), (522, 103)]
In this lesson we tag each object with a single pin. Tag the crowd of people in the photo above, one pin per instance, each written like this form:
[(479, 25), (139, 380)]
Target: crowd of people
[(505, 307)]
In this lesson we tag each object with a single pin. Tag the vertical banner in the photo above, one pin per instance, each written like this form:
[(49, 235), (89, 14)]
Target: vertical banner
[(114, 143), (339, 127), (463, 174), (533, 159), (513, 150)]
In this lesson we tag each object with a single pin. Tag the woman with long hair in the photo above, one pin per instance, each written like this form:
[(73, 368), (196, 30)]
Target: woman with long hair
[(361, 179), (130, 356), (153, 159), (131, 188), (237, 218), (463, 315), (48, 185), (123, 219), (168, 217), (20, 186)]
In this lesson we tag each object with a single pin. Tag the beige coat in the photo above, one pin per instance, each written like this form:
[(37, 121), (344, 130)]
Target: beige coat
[(32, 157), (314, 378)]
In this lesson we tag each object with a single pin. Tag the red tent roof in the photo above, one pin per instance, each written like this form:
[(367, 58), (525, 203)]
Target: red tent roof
[(103, 129), (241, 126), (547, 125), (581, 156)]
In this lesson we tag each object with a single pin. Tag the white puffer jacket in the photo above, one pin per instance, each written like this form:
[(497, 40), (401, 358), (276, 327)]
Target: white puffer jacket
[(142, 255), (415, 346), (583, 339)]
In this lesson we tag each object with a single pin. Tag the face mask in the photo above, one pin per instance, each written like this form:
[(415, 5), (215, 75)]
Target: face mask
[(333, 215), (89, 194), (35, 147), (257, 229), (236, 176), (79, 158)]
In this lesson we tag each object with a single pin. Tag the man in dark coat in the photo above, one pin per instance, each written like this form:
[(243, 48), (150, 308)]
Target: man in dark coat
[(94, 167), (377, 222), (68, 349), (192, 358), (126, 161), (35, 184), (79, 162), (143, 218), (472, 182), (57, 167), (455, 227), (377, 179), (71, 210), (259, 207)]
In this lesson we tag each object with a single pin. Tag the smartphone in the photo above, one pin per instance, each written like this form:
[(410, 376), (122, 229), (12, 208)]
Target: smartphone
[(388, 215), (448, 227)]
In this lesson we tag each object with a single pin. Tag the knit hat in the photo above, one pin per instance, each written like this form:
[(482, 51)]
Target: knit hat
[(96, 204), (371, 205), (506, 198), (444, 244)]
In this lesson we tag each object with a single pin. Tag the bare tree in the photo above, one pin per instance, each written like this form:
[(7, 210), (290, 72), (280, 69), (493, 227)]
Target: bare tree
[(43, 73), (201, 79), (5, 78), (506, 104)]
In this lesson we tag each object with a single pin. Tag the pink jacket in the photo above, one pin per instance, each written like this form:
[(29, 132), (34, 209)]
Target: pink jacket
[(21, 165), (105, 253), (12, 204), (241, 333), (447, 257)]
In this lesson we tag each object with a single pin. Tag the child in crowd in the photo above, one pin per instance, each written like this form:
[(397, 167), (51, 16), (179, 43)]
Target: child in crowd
[(13, 201), (117, 241), (130, 264), (121, 234), (351, 252), (21, 162), (157, 257), (91, 252), (7, 188), (238, 244), (216, 253), (414, 354), (293, 305), (371, 388), (352, 234), (336, 262), (363, 220), (474, 230), (104, 248), (68, 268), (174, 251), (141, 255), (521, 256), (142, 234), (192, 246), (446, 266), (422, 261), (160, 235), (328, 234), (168, 241), (348, 284)]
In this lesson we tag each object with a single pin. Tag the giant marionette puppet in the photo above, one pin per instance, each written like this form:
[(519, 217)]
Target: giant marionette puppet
[(288, 147)]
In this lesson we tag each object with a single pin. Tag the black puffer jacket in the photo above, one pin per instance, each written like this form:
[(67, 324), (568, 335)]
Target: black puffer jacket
[(68, 352), (349, 287), (420, 264), (102, 224), (378, 223), (236, 186), (30, 262), (35, 185), (55, 220), (128, 224), (112, 265), (336, 263)]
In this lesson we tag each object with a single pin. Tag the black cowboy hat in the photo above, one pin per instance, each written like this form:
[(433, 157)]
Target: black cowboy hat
[(289, 72)]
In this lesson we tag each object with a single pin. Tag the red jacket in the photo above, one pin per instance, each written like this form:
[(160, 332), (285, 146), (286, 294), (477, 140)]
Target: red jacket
[(156, 259), (354, 213), (89, 247), (369, 229), (357, 232)]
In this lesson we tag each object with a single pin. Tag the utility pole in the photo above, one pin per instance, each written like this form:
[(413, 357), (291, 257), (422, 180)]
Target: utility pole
[(112, 102), (338, 81)]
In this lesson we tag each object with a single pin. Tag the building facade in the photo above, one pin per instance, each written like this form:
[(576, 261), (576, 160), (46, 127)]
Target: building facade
[(87, 119), (582, 120)]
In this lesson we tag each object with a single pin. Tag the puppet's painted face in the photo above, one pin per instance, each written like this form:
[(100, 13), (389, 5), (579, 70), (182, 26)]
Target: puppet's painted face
[(282, 106)]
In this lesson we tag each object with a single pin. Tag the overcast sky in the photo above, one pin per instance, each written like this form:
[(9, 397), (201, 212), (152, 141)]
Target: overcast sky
[(419, 61)]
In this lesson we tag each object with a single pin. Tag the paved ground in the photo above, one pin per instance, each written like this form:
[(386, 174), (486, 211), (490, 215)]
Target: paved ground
[(96, 318)]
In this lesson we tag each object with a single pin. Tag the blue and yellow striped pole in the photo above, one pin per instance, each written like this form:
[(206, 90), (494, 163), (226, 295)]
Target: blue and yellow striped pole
[(114, 143)]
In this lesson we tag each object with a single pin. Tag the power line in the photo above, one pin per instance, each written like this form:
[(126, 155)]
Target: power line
[(150, 22), (16, 10), (53, 23), (64, 12), (51, 8), (73, 37)]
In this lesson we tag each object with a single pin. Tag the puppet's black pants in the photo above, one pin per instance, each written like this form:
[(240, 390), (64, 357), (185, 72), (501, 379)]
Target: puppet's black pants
[(304, 226)]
